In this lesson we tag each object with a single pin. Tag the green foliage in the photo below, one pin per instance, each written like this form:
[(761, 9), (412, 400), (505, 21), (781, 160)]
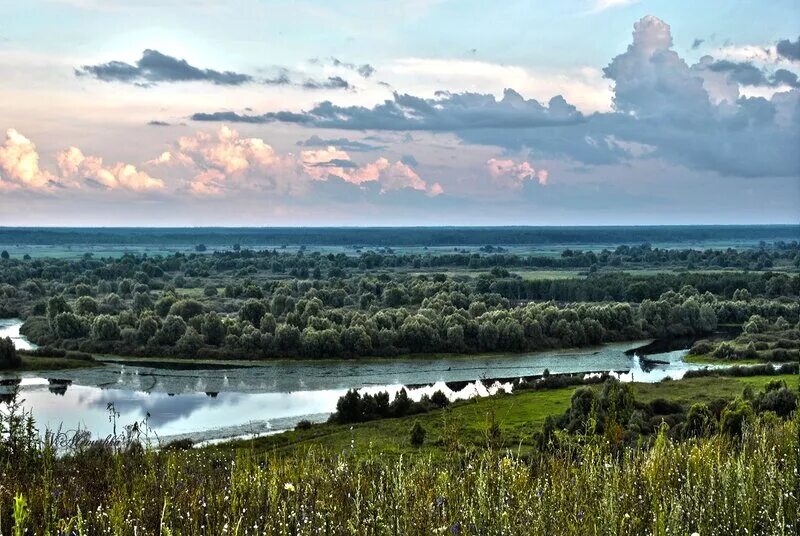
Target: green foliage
[(171, 330), (417, 434), (105, 328), (736, 415), (8, 354)]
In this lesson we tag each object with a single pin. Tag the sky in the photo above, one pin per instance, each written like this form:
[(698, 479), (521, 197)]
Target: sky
[(389, 112)]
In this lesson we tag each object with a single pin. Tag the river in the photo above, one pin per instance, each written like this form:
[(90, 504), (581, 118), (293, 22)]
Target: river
[(216, 400)]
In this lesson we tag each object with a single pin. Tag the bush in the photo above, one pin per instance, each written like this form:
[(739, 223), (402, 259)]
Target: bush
[(735, 416), (305, 424), (417, 434)]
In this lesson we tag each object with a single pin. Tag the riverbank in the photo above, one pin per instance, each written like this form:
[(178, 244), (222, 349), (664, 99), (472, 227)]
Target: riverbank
[(519, 417)]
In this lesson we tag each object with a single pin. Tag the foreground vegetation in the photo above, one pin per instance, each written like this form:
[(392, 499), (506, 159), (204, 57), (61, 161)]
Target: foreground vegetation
[(739, 479)]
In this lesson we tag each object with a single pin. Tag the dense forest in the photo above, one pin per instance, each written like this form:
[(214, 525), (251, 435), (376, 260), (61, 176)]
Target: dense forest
[(272, 303), (389, 236)]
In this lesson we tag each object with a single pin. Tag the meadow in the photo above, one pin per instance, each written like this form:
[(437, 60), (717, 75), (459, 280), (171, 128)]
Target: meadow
[(717, 484)]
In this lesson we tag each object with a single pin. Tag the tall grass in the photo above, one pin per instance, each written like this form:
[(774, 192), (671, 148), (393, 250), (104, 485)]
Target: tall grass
[(718, 485)]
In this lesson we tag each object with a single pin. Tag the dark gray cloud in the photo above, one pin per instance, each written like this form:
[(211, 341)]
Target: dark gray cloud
[(447, 111), (789, 49), (340, 143), (337, 163), (784, 77), (156, 123), (747, 74), (365, 69), (154, 67), (662, 109), (409, 160), (333, 82), (281, 79), (697, 42), (741, 72)]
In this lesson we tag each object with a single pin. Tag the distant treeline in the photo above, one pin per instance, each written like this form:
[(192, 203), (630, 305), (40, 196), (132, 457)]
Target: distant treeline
[(395, 236)]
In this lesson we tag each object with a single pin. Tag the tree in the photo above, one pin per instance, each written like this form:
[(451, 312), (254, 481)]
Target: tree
[(4, 255), (210, 291), (69, 326), (213, 329), (252, 311), (105, 328), (171, 330), (356, 341), (86, 305), (186, 309), (189, 343), (148, 327), (8, 354), (56, 305)]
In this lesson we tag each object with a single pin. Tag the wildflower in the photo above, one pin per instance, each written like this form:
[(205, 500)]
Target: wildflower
[(289, 487)]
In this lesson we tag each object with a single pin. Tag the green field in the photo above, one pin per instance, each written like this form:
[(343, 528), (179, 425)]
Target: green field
[(519, 415)]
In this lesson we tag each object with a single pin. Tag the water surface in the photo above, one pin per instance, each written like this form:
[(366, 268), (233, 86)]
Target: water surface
[(213, 400)]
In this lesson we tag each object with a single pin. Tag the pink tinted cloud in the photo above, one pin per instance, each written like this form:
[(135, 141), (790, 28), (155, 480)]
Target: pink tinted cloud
[(511, 174), (19, 168), (19, 164), (76, 166), (225, 161)]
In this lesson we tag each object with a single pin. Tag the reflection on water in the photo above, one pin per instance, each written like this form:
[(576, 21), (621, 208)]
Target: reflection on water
[(236, 399)]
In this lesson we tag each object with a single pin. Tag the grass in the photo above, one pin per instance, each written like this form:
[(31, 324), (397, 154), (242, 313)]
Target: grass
[(706, 359), (718, 485), (520, 415)]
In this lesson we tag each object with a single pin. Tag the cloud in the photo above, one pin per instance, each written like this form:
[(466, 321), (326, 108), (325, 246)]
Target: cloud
[(157, 123), (446, 111), (664, 109), (226, 162), (366, 70), (409, 160), (19, 168), (154, 67), (19, 164), (511, 174), (697, 116), (74, 165), (332, 162), (789, 49), (697, 42), (333, 82), (342, 143), (741, 72), (603, 5), (746, 73)]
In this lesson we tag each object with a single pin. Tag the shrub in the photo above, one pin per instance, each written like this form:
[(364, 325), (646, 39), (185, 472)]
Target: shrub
[(305, 424), (735, 416), (417, 434)]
